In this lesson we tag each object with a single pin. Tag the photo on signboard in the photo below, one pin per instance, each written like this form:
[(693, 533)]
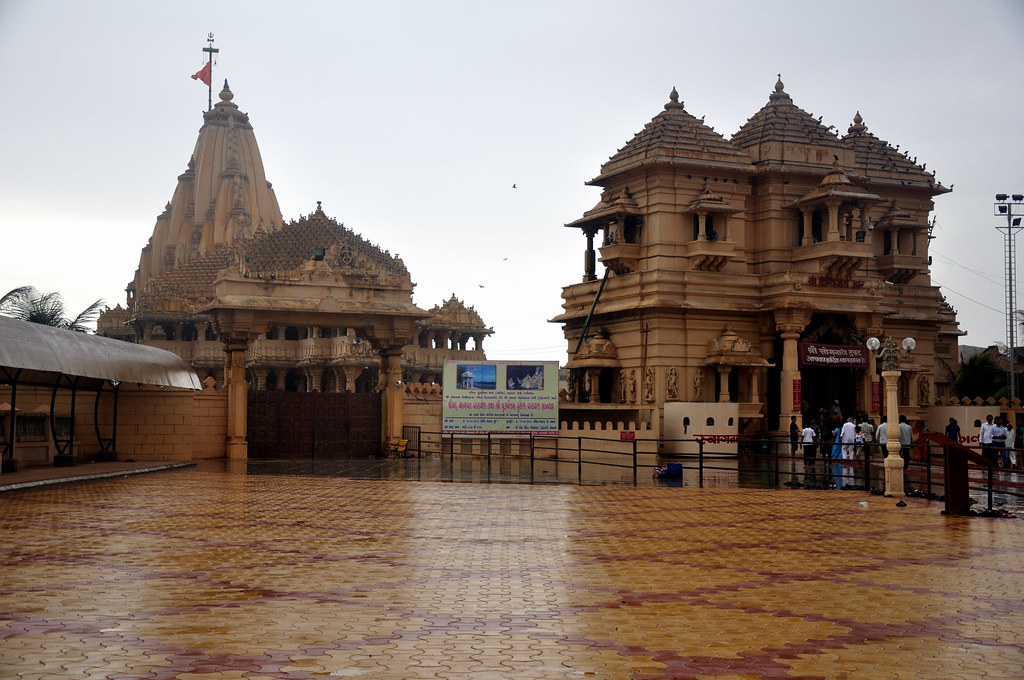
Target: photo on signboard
[(476, 376), (524, 377)]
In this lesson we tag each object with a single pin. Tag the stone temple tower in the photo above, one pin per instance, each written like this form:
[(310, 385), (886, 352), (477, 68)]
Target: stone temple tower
[(223, 196)]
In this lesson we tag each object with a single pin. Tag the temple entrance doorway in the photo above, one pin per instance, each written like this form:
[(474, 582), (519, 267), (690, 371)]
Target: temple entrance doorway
[(830, 370), (821, 387), (305, 425)]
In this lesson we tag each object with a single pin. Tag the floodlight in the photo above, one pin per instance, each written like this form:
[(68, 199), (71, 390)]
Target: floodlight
[(1018, 197), (1002, 209), (1000, 197)]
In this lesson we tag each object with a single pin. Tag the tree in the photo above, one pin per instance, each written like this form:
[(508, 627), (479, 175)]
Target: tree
[(979, 376), (28, 304)]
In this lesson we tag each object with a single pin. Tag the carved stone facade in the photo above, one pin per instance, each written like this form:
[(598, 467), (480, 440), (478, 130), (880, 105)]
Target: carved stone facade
[(722, 255), (223, 221)]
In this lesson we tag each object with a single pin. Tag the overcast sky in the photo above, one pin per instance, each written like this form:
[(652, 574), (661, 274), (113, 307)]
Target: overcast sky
[(411, 121)]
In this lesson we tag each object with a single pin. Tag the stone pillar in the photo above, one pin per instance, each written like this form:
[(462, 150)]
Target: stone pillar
[(808, 238), (589, 257), (723, 372), (593, 379), (234, 374), (701, 227), (893, 462), (790, 377), (313, 377), (833, 219), (755, 395), (870, 384), (351, 373), (391, 408)]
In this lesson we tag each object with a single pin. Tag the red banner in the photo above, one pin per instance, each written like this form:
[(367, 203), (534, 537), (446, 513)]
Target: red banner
[(876, 396), (837, 356), (798, 402), (203, 74)]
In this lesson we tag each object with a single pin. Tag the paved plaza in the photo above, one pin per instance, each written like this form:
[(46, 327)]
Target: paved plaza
[(207, 573)]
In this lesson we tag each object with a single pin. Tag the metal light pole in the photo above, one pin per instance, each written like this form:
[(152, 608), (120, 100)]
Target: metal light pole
[(890, 356), (1012, 208)]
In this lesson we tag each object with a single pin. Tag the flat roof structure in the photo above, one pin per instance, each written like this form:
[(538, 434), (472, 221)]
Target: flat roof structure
[(32, 353)]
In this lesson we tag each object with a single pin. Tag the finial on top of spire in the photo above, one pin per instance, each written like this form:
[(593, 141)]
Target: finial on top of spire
[(226, 95), (674, 102), (780, 92), (858, 124)]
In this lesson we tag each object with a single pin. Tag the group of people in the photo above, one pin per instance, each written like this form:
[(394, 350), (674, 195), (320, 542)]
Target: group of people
[(840, 443), (998, 440)]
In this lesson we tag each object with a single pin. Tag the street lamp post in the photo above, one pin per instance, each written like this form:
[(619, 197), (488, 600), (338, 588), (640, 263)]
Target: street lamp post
[(1011, 207), (890, 356)]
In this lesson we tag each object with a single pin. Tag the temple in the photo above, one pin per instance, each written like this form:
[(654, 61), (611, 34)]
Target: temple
[(259, 305), (750, 271)]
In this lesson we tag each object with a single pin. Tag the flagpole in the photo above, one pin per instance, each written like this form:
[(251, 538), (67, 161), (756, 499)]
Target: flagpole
[(210, 50)]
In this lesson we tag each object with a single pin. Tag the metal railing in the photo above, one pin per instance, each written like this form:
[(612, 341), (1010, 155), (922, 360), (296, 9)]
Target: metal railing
[(763, 462)]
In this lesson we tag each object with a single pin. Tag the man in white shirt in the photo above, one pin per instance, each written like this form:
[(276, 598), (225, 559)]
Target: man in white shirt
[(985, 437), (997, 443), (847, 435), (809, 438)]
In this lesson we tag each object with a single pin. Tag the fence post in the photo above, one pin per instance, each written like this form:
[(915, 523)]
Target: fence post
[(776, 463), (634, 461), (579, 460), (700, 463), (532, 453), (928, 462), (990, 487)]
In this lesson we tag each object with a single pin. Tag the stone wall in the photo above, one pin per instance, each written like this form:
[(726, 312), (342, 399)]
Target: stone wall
[(209, 423), (153, 423)]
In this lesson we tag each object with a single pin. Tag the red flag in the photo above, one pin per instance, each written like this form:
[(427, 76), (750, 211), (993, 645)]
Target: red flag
[(203, 74)]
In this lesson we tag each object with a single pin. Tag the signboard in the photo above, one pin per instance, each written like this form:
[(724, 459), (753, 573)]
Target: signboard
[(798, 403), (876, 396), (835, 356), (500, 397)]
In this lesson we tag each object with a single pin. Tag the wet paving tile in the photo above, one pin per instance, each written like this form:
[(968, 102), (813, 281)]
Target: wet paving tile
[(200, 573)]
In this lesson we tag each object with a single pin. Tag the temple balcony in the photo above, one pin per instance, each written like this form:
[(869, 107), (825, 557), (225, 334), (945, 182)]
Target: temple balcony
[(837, 259), (710, 256), (621, 258), (901, 268)]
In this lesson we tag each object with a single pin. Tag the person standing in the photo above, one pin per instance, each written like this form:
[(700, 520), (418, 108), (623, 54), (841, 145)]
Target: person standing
[(1011, 439), (953, 430), (906, 439), (794, 435), (809, 437), (985, 437), (847, 434), (997, 445)]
